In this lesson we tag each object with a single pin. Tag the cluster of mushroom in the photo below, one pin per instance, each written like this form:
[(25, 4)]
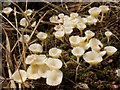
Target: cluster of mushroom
[(41, 66), (67, 23), (81, 44)]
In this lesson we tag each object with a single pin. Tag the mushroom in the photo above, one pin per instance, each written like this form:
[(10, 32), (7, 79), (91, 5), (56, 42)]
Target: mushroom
[(61, 16), (74, 41), (55, 52), (73, 15), (81, 27), (40, 59), (104, 9), (102, 53), (54, 19), (28, 12), (25, 39), (95, 11), (54, 77), (118, 72), (95, 44), (33, 24), (23, 22), (54, 63), (89, 34), (31, 58), (78, 52), (92, 57), (42, 36), (7, 11), (110, 50), (59, 35), (108, 34), (68, 30), (32, 72), (91, 20), (19, 76), (43, 69), (58, 27), (35, 48)]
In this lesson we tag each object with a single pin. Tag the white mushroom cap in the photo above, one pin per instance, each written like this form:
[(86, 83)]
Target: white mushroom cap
[(55, 52), (26, 38), (40, 59), (78, 51), (84, 45), (19, 76), (95, 11), (92, 57), (74, 41), (32, 72), (110, 50), (73, 15), (118, 72), (104, 9), (68, 30), (61, 16), (54, 77), (81, 26), (31, 58), (91, 20), (23, 22), (7, 10), (36, 48), (89, 34), (43, 69), (33, 24), (84, 20), (54, 19), (95, 44), (59, 34), (42, 36), (28, 12), (58, 27), (108, 33), (54, 63), (102, 53)]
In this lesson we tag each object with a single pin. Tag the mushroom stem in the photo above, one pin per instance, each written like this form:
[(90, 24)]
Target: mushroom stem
[(108, 38), (89, 67), (76, 73), (102, 17), (81, 33), (106, 57), (78, 59), (19, 86)]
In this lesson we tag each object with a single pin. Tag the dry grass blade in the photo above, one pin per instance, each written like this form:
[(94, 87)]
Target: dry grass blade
[(12, 83)]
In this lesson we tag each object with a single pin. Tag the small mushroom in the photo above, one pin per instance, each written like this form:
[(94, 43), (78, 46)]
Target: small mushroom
[(110, 50), (58, 27), (81, 27), (23, 22), (73, 15), (59, 35), (74, 41), (108, 34), (32, 72), (19, 76), (28, 12), (102, 53), (54, 77), (42, 36), (95, 44), (78, 52), (55, 52), (25, 39), (54, 19), (35, 48), (95, 11), (68, 30), (118, 72), (7, 11), (89, 34), (43, 69), (91, 20), (92, 57), (104, 9), (54, 63), (33, 24)]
